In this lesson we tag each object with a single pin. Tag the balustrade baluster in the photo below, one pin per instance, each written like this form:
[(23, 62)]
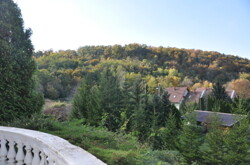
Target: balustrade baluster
[(12, 153), (50, 160), (36, 159), (27, 147), (3, 150), (20, 154), (28, 156), (43, 159), (3, 163)]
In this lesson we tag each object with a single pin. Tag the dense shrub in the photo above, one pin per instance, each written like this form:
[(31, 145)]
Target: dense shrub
[(36, 121)]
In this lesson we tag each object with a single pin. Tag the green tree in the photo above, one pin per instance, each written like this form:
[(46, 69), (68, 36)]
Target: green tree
[(133, 94), (143, 117), (190, 140), (227, 146), (219, 92), (237, 144), (168, 135), (111, 98), (87, 103), (215, 148), (240, 106), (162, 111), (162, 108), (217, 105), (17, 95)]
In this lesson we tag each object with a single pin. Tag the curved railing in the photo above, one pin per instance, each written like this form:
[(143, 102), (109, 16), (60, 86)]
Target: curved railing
[(22, 146)]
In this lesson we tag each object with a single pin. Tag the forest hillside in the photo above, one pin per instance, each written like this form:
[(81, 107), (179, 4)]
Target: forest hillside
[(59, 72)]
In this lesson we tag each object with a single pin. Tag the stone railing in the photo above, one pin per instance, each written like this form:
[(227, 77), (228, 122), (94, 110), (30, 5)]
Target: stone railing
[(22, 146)]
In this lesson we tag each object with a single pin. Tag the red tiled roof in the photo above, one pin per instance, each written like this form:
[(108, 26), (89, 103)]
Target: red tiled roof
[(200, 89), (176, 94)]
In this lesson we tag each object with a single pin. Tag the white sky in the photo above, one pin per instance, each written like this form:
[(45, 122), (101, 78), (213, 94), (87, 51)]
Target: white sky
[(59, 25)]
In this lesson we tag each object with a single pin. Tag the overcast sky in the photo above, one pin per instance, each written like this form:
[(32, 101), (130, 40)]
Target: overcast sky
[(216, 25)]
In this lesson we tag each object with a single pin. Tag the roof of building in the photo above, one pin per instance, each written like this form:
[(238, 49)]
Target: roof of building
[(196, 95), (201, 92), (225, 119), (176, 94)]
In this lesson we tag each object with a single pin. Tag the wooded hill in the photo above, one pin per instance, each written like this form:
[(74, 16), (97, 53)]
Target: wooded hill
[(58, 72)]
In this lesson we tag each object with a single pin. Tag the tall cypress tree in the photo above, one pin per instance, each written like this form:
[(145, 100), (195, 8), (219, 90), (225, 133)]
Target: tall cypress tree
[(17, 94)]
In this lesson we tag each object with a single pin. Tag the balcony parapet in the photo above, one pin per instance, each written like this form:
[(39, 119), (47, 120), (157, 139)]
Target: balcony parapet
[(22, 146)]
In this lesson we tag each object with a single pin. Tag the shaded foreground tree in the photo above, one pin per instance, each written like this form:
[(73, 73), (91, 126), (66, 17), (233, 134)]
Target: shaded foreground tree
[(227, 146), (17, 94), (215, 151), (237, 144), (190, 140)]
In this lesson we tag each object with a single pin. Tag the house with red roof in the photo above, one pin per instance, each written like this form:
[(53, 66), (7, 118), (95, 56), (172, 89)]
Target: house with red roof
[(177, 95), (198, 94)]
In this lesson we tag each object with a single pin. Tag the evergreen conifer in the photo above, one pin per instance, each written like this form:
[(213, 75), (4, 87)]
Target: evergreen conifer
[(17, 95)]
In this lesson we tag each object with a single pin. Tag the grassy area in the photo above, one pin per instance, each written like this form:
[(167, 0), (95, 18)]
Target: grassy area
[(110, 147)]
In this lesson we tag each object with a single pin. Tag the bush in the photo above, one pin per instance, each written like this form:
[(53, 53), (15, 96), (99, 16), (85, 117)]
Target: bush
[(112, 148), (37, 121), (120, 157)]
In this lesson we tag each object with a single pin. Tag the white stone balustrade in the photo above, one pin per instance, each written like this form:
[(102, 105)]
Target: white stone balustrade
[(27, 147)]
